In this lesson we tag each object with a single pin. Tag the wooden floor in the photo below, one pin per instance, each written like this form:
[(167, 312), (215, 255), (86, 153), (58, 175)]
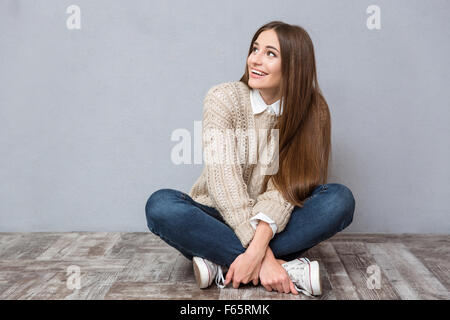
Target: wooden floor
[(141, 266)]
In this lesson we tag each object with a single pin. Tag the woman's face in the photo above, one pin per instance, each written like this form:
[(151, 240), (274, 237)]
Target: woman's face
[(265, 57)]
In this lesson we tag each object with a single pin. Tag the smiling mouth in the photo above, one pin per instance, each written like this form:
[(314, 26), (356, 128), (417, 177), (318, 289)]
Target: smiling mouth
[(255, 76), (258, 73)]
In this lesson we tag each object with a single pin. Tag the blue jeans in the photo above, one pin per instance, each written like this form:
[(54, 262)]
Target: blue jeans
[(197, 230)]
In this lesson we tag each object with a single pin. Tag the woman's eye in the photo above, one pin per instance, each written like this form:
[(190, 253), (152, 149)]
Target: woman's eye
[(253, 49)]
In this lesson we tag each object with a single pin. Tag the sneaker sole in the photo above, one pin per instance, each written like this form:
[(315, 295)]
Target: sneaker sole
[(315, 278), (200, 269)]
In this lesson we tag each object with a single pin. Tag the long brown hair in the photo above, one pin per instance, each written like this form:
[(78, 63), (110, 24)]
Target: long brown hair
[(304, 125)]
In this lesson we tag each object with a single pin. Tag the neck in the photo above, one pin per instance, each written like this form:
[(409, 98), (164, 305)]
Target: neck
[(269, 96)]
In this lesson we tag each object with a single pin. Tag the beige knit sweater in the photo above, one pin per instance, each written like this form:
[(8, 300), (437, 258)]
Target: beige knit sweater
[(234, 188)]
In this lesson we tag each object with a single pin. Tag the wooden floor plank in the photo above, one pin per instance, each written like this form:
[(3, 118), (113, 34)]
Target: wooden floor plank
[(435, 256), (93, 265), (407, 273), (182, 270), (8, 241), (356, 260), (25, 285), (341, 285), (47, 279), (131, 243), (81, 245), (385, 261), (94, 285), (149, 267), (160, 291), (28, 245)]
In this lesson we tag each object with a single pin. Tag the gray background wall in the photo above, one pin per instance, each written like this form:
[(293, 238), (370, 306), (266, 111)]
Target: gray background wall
[(87, 115)]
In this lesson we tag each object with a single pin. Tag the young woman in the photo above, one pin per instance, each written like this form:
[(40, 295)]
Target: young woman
[(239, 217)]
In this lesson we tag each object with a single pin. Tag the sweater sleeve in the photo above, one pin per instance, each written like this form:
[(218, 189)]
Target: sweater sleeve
[(273, 204), (224, 174)]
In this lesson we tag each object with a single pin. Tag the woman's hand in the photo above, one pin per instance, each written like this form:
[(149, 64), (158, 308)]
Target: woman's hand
[(245, 268), (274, 277)]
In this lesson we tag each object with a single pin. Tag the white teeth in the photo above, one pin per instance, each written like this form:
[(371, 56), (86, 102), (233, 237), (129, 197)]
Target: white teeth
[(258, 73)]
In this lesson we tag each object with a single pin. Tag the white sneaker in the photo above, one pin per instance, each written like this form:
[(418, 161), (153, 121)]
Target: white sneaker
[(305, 275), (205, 271)]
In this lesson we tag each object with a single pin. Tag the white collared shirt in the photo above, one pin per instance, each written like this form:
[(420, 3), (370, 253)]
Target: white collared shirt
[(258, 106)]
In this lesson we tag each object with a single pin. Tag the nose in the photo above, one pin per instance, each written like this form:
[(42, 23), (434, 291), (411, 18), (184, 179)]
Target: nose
[(255, 58)]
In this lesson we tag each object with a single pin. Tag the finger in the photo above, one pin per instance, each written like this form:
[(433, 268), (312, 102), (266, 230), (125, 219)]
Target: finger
[(235, 284), (286, 286), (293, 290), (267, 287), (255, 282), (229, 276), (280, 288)]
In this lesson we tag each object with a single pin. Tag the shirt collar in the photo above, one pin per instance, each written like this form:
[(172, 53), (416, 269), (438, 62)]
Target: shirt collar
[(258, 104)]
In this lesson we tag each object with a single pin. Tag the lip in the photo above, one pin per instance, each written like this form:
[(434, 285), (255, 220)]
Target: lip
[(255, 76)]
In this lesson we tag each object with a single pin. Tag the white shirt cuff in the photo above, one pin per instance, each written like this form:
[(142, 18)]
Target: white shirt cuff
[(261, 216)]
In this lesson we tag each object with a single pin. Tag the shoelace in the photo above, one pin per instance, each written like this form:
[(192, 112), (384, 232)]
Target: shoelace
[(219, 278), (306, 261), (303, 291)]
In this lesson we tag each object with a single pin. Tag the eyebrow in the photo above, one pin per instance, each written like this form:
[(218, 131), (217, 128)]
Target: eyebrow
[(267, 46)]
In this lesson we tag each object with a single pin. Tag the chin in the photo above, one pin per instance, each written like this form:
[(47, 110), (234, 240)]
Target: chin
[(255, 84)]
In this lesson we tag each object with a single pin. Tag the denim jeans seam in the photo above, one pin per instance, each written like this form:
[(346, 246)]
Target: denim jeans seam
[(323, 188), (183, 195)]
